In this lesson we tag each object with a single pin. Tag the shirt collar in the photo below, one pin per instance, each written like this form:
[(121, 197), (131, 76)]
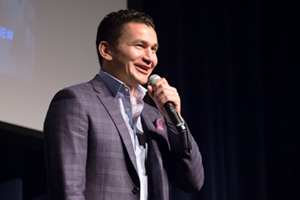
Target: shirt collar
[(115, 85)]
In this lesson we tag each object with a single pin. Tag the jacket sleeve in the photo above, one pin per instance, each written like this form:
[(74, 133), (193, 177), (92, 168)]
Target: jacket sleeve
[(185, 161), (178, 152), (65, 133)]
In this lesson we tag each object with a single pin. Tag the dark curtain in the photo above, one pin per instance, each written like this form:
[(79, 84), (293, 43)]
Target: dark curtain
[(235, 66)]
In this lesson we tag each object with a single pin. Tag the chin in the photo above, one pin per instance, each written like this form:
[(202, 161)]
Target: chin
[(142, 80)]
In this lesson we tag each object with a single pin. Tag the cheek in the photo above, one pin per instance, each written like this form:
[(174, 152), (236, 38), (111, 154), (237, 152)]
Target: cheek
[(155, 61), (129, 55), (133, 53)]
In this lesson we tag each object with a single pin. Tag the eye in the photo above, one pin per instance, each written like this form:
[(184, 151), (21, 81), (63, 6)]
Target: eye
[(154, 49), (140, 45)]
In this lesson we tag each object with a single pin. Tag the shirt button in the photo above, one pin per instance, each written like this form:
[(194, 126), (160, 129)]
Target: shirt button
[(128, 109), (126, 90), (135, 190)]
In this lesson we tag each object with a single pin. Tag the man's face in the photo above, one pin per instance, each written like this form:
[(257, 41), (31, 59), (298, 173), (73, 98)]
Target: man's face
[(134, 57)]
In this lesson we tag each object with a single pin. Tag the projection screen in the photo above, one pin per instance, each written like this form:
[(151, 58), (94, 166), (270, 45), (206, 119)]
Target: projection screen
[(44, 47)]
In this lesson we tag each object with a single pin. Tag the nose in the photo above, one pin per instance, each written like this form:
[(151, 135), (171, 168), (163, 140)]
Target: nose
[(148, 55)]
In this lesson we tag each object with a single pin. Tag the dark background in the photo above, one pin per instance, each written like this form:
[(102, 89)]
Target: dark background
[(235, 65)]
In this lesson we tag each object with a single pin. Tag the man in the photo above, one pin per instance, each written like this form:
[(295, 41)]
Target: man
[(102, 141)]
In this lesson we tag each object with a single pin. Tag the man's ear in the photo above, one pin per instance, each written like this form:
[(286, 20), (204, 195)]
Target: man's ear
[(105, 50)]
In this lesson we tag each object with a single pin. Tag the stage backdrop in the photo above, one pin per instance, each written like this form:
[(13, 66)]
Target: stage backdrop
[(235, 64), (45, 46)]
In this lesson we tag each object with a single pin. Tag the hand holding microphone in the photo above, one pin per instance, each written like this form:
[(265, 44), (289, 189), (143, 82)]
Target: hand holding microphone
[(167, 100)]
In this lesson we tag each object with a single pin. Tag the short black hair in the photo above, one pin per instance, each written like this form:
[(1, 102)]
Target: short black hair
[(110, 27)]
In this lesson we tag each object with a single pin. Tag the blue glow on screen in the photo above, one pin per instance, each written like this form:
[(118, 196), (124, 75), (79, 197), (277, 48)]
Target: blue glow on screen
[(6, 33), (17, 38)]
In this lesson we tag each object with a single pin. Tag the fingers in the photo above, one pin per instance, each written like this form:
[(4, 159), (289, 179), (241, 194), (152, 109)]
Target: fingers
[(161, 92)]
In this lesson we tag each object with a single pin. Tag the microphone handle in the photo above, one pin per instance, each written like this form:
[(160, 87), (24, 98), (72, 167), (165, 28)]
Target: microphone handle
[(174, 116)]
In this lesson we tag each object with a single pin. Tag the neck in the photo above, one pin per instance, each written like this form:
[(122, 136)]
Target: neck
[(132, 89)]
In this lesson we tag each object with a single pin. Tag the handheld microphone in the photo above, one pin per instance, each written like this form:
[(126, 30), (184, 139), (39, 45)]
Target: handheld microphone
[(170, 108)]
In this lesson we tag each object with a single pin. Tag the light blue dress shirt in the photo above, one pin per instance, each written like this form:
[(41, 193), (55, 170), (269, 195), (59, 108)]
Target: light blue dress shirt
[(131, 111)]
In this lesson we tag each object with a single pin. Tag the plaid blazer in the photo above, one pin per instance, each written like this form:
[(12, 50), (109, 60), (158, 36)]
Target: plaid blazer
[(89, 153)]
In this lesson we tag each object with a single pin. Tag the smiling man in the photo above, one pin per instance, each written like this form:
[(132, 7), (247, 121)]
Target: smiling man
[(102, 141), (133, 58)]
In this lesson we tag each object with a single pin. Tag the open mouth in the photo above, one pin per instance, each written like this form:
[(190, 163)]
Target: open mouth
[(143, 69)]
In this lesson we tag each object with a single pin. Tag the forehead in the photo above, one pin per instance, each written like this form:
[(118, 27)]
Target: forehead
[(133, 30)]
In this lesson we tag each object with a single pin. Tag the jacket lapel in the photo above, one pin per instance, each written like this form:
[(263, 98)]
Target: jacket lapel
[(112, 108)]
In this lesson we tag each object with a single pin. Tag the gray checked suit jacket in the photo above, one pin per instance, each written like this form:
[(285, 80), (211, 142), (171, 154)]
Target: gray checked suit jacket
[(89, 153)]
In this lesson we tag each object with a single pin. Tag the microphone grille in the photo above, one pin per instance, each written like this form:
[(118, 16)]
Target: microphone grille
[(153, 79)]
